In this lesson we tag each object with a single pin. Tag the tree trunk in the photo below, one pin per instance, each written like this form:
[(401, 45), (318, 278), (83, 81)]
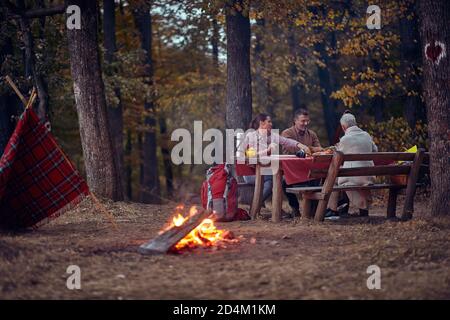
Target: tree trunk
[(411, 61), (329, 105), (260, 82), (30, 64), (165, 138), (10, 108), (377, 101), (128, 167), (295, 87), (100, 160), (239, 83), (115, 113), (215, 42), (150, 192), (434, 29), (10, 105)]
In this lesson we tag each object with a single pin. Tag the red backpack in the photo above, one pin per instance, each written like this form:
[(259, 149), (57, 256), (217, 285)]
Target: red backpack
[(219, 193)]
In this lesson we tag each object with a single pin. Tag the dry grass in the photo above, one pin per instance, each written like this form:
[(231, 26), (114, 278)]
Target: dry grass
[(287, 260)]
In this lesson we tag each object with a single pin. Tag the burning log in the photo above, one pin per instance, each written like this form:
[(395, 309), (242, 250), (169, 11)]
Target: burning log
[(176, 232)]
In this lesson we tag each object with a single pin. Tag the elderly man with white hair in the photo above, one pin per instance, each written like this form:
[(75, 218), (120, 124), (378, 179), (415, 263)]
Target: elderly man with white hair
[(355, 140)]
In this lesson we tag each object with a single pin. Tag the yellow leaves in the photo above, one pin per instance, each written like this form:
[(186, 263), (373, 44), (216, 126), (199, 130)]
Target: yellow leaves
[(300, 22), (362, 42), (371, 43), (348, 95), (321, 64), (396, 135)]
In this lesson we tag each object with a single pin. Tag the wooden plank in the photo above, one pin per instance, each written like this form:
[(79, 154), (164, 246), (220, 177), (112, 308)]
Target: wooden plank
[(299, 190), (384, 170), (312, 190), (16, 90), (314, 195), (317, 173), (408, 208), (163, 242), (277, 196), (257, 196), (375, 156), (336, 162)]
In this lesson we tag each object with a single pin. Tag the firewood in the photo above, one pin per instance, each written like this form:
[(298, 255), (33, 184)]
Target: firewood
[(169, 238)]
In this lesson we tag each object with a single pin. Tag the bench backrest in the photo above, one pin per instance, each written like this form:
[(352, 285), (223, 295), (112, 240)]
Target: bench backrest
[(411, 169), (386, 164)]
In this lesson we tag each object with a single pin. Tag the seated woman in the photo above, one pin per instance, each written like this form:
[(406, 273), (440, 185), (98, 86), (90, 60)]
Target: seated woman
[(265, 141)]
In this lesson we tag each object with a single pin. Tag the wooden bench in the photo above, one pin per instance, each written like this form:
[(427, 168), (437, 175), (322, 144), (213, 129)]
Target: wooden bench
[(323, 193)]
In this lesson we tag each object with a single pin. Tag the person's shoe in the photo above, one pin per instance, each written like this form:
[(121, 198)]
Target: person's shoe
[(290, 215), (363, 213), (295, 213), (331, 213), (343, 209)]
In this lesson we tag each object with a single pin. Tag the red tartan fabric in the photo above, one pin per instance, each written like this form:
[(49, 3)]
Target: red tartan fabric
[(36, 179)]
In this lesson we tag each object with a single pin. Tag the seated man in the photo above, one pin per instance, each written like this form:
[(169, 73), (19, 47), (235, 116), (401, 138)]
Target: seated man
[(354, 140), (310, 143)]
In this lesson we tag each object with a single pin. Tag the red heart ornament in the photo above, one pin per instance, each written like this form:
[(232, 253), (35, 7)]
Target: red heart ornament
[(433, 51)]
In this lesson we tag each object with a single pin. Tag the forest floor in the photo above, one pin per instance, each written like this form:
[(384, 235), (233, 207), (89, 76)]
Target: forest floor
[(287, 260)]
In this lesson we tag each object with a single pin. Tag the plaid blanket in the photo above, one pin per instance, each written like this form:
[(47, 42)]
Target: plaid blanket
[(37, 181)]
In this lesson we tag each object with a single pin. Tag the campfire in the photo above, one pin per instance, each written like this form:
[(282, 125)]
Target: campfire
[(195, 229)]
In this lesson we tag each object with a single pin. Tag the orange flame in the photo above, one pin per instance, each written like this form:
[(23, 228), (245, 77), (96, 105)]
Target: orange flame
[(204, 235)]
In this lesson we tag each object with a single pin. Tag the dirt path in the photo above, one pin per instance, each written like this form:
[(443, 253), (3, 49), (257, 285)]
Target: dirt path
[(288, 260)]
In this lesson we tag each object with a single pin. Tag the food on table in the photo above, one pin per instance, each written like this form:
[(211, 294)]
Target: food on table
[(328, 150), (251, 152)]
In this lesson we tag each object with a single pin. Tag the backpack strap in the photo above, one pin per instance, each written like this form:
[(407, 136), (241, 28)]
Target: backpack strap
[(209, 173), (227, 186)]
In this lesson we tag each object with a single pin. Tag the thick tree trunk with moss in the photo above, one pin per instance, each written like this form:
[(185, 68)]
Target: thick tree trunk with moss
[(434, 16), (239, 83), (100, 160)]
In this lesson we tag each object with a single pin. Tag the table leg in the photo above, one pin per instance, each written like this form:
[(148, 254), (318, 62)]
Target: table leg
[(306, 207), (257, 195), (277, 196)]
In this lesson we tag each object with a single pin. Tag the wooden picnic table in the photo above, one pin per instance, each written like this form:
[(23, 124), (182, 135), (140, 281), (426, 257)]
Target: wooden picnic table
[(294, 169)]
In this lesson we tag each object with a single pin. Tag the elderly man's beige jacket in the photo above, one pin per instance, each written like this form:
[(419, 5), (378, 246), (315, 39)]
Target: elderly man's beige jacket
[(356, 140)]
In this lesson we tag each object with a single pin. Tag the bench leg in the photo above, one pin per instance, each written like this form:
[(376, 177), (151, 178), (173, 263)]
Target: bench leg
[(306, 208), (392, 203), (321, 209), (408, 208)]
